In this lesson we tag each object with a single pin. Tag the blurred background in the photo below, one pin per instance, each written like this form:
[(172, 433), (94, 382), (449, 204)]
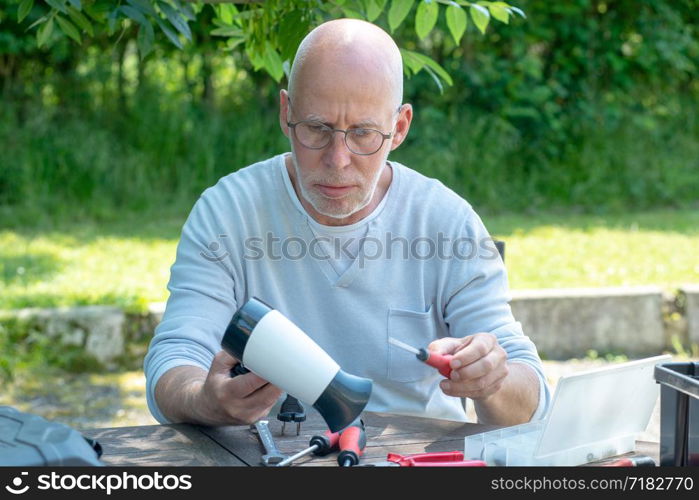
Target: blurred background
[(574, 133)]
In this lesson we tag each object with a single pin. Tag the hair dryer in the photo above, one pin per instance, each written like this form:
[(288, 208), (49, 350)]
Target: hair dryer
[(273, 347)]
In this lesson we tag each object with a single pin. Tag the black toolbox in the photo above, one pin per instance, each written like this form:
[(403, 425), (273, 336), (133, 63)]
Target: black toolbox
[(679, 413)]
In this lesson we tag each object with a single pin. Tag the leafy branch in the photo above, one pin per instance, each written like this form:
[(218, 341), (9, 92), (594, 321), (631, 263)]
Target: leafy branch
[(269, 31)]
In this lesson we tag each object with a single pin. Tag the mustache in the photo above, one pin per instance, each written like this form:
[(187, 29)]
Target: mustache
[(332, 181)]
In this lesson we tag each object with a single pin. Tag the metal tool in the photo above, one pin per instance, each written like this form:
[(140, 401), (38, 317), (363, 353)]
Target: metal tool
[(434, 459), (351, 442), (292, 410), (319, 445), (439, 361), (272, 454)]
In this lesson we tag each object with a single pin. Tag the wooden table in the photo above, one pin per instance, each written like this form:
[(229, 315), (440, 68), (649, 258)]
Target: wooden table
[(189, 445)]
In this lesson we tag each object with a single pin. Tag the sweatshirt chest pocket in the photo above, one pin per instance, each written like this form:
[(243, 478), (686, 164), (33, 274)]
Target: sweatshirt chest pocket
[(417, 329)]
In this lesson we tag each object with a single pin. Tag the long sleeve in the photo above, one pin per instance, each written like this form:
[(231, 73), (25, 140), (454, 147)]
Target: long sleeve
[(201, 303), (479, 302)]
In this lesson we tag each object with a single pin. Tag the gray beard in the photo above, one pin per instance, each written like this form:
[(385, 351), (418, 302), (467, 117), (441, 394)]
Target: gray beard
[(309, 196)]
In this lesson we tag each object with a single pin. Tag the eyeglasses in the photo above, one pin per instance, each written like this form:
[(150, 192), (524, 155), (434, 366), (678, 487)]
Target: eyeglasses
[(313, 134)]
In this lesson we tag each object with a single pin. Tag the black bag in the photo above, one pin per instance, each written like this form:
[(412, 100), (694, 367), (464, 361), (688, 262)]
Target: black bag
[(30, 440)]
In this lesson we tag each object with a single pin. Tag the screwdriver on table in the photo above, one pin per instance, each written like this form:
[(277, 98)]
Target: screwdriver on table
[(438, 361), (319, 445), (352, 444)]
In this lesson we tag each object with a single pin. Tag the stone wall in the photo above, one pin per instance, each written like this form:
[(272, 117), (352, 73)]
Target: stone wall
[(99, 330), (689, 300), (564, 323)]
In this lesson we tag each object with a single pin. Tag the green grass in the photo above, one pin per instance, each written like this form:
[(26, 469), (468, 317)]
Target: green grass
[(83, 401), (554, 251), (122, 261), (126, 260)]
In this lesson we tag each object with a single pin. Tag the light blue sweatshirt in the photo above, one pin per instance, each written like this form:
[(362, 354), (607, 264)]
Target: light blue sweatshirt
[(427, 269)]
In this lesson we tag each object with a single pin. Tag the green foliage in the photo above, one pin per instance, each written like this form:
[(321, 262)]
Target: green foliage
[(585, 108), (480, 16), (105, 157), (415, 62), (426, 18), (600, 167), (609, 357), (679, 348), (398, 12), (24, 7), (456, 22), (25, 346), (269, 31)]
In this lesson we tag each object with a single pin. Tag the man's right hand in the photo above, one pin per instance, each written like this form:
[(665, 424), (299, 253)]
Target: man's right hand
[(190, 394)]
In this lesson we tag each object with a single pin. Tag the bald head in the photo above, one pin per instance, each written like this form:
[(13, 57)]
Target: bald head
[(345, 47)]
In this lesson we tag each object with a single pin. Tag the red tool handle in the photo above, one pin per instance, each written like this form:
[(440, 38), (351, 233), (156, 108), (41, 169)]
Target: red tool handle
[(437, 459), (352, 444), (325, 443), (637, 461), (353, 440), (460, 463), (438, 361)]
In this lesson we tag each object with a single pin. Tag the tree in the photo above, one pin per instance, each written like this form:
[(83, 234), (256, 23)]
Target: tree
[(268, 31)]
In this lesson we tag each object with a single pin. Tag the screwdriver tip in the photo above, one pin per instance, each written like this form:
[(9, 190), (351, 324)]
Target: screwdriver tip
[(403, 345)]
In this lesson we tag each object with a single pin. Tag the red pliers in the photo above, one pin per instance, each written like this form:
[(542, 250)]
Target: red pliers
[(435, 459)]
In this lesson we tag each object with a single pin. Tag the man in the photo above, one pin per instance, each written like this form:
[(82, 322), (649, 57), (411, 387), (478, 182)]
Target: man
[(344, 243)]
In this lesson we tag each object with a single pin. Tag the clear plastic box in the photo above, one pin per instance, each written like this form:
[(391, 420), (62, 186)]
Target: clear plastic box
[(517, 446), (594, 415)]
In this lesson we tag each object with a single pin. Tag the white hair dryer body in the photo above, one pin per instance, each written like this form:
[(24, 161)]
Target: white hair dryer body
[(273, 347)]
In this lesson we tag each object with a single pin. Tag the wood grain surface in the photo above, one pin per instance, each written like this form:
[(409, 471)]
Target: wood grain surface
[(183, 444)]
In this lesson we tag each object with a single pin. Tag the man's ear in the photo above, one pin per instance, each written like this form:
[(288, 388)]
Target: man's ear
[(284, 111), (405, 117)]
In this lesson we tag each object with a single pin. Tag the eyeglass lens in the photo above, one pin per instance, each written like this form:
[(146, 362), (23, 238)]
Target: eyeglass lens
[(317, 136)]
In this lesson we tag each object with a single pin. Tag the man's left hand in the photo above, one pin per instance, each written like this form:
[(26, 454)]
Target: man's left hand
[(479, 366)]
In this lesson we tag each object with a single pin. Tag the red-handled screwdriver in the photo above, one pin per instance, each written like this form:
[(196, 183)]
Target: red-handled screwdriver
[(438, 361), (352, 444), (319, 445)]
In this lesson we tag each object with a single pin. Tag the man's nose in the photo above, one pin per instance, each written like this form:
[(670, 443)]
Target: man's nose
[(337, 154)]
